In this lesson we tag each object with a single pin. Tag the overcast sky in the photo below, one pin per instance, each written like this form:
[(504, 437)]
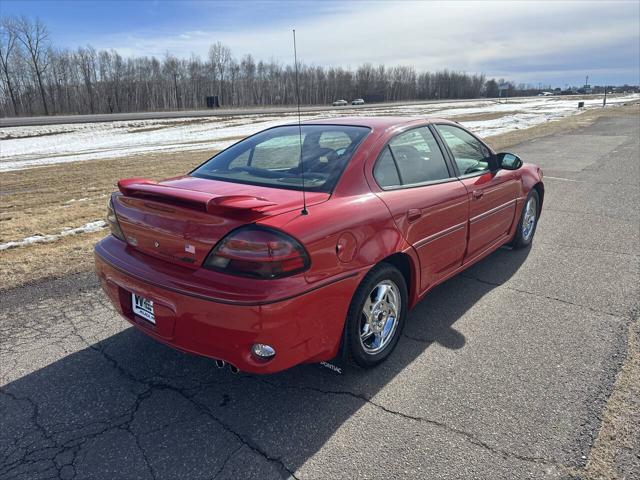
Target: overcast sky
[(553, 43)]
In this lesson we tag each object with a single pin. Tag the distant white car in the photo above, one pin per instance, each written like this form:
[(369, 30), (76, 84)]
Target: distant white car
[(340, 103), (358, 101)]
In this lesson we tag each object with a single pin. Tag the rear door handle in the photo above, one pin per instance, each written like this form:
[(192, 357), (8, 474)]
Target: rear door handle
[(478, 194), (413, 214)]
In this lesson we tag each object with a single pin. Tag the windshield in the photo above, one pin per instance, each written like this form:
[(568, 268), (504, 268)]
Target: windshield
[(273, 157)]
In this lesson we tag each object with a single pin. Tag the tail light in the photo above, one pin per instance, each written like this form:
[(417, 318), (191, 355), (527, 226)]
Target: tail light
[(258, 252), (112, 220)]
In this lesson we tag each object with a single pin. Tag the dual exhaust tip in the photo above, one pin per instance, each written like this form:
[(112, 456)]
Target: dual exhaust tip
[(222, 364)]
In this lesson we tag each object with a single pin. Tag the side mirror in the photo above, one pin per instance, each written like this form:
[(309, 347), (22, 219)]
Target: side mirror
[(508, 161)]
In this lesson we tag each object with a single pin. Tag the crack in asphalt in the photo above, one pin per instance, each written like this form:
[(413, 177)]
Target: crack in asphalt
[(51, 448), (200, 407), (471, 438), (226, 461), (548, 297), (596, 250), (205, 410)]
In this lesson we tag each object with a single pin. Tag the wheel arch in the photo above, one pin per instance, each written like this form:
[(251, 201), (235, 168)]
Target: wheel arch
[(406, 262), (409, 269), (539, 187)]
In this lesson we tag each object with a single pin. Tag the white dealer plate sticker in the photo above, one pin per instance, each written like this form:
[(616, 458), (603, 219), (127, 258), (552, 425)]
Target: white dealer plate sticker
[(143, 307)]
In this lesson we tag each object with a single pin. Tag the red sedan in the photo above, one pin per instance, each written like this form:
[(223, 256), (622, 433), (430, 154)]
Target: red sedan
[(302, 243)]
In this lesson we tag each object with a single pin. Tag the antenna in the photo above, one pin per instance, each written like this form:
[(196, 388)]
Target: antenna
[(295, 57)]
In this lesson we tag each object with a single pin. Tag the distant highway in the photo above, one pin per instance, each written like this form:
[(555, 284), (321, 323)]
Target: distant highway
[(221, 112)]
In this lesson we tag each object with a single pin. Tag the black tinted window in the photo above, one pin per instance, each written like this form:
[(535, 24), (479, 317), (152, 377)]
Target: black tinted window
[(418, 157), (274, 158)]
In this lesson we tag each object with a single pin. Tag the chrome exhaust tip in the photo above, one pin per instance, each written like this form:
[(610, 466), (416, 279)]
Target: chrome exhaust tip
[(235, 370), (219, 363)]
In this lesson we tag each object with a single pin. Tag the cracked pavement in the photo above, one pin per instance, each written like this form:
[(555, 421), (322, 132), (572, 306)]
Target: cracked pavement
[(502, 372)]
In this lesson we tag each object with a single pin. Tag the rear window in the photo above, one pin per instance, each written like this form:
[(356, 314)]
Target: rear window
[(275, 158)]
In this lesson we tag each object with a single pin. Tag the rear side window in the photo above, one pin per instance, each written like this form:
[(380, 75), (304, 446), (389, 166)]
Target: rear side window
[(414, 156), (385, 172)]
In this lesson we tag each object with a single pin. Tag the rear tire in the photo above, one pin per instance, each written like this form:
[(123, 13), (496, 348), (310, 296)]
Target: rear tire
[(376, 316), (528, 221)]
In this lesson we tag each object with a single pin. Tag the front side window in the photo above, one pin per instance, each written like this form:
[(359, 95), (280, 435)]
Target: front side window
[(414, 156), (470, 155), (277, 157)]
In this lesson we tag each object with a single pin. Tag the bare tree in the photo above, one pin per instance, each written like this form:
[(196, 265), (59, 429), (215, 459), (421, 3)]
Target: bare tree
[(87, 58), (35, 39), (7, 50), (219, 57)]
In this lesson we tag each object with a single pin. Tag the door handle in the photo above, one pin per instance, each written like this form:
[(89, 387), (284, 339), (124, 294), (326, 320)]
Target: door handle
[(413, 214), (477, 194)]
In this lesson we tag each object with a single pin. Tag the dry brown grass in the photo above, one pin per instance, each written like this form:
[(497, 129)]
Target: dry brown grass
[(617, 445), (38, 200), (68, 255)]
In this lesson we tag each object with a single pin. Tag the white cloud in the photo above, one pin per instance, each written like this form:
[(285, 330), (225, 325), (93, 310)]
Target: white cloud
[(490, 37)]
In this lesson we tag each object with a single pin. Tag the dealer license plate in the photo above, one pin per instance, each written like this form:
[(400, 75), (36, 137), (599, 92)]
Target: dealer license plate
[(143, 307)]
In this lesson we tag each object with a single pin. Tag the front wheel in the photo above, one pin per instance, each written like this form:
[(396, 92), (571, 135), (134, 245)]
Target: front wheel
[(376, 316), (528, 221)]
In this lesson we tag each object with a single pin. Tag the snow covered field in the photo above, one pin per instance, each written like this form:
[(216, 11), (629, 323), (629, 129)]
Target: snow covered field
[(27, 147)]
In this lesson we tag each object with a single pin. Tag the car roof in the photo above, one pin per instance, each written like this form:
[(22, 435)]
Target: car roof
[(376, 123)]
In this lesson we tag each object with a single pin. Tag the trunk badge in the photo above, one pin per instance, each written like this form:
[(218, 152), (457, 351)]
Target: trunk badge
[(190, 249), (156, 244)]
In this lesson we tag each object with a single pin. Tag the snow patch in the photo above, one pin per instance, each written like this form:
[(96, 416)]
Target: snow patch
[(86, 228)]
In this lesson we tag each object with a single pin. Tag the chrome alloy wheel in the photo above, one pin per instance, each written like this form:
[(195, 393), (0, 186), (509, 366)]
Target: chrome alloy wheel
[(380, 316), (529, 219)]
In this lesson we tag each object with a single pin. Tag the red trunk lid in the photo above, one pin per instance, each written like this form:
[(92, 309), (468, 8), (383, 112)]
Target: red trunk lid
[(180, 220)]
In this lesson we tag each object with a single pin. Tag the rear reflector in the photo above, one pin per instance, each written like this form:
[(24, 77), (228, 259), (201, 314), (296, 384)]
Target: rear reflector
[(258, 252)]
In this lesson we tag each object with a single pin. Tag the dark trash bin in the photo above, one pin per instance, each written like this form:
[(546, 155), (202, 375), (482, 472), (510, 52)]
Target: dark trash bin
[(213, 102)]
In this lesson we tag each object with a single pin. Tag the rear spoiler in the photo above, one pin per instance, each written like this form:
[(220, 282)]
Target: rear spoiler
[(207, 202)]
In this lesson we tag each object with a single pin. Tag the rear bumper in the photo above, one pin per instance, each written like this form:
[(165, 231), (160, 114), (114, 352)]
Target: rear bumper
[(303, 328)]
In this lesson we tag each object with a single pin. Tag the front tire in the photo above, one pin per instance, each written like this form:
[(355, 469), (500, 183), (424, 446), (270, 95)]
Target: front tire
[(376, 316), (528, 221)]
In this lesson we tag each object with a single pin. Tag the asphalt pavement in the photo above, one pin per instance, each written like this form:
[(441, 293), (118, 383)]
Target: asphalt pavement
[(502, 372)]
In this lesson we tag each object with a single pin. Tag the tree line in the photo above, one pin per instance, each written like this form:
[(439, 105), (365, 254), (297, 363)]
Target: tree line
[(36, 78)]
